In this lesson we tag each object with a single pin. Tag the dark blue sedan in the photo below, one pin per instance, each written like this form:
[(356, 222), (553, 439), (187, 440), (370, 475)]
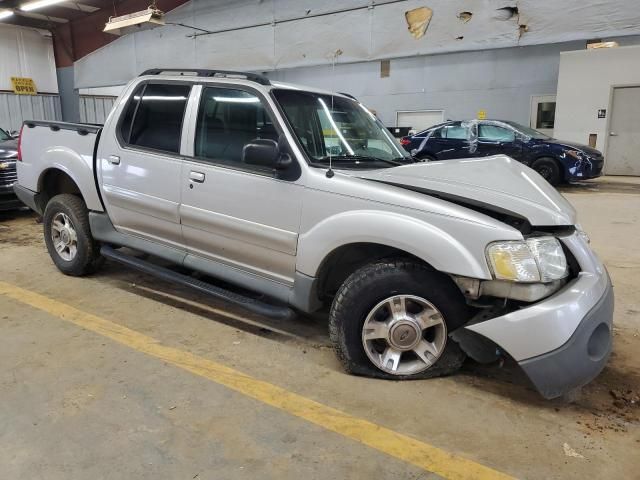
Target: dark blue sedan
[(557, 161)]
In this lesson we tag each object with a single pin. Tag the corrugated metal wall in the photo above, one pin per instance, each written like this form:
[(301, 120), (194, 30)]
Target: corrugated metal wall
[(95, 109), (14, 109)]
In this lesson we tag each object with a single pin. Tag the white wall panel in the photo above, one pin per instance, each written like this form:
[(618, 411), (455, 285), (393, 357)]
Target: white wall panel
[(322, 37), (26, 52), (584, 87), (14, 109), (250, 49)]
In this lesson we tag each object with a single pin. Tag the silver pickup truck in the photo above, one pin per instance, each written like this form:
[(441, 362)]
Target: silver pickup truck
[(303, 197)]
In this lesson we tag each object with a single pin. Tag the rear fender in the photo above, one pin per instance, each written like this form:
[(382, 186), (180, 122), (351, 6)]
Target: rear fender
[(76, 167)]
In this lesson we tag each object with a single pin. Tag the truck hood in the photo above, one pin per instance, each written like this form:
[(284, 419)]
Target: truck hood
[(496, 183)]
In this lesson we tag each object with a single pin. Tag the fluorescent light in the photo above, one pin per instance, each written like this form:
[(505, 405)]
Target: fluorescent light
[(27, 7), (237, 99), (5, 14)]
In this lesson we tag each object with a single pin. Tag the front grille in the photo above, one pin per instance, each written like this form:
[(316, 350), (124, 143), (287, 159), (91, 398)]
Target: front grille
[(8, 176)]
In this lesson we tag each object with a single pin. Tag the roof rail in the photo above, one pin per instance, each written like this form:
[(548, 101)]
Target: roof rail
[(254, 77)]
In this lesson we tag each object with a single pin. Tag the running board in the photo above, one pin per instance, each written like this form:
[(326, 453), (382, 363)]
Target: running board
[(251, 304)]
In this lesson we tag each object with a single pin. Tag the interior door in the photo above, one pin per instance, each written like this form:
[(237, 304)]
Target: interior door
[(624, 133), (543, 113), (140, 168), (232, 213), (495, 140)]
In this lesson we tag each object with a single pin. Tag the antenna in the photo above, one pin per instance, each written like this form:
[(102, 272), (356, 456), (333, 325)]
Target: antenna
[(334, 59)]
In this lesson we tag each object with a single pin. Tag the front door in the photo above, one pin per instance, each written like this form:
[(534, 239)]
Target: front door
[(140, 167), (495, 139), (624, 133), (238, 215)]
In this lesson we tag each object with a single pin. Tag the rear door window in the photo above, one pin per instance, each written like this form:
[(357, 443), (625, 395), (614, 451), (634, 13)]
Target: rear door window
[(154, 116)]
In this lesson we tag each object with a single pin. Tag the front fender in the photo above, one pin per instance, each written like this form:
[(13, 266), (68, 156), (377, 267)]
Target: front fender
[(441, 250), (78, 168)]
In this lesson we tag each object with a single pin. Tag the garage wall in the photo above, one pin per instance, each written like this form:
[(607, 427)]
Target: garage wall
[(276, 34), (595, 72), (26, 52), (95, 109), (500, 82), (14, 109)]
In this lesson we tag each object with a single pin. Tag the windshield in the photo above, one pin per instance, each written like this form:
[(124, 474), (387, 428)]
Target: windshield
[(529, 132), (4, 136), (333, 128)]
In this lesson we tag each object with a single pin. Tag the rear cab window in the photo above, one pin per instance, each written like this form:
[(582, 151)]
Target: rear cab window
[(153, 118)]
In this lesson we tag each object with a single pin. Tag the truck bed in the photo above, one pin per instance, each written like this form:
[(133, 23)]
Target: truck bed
[(63, 146)]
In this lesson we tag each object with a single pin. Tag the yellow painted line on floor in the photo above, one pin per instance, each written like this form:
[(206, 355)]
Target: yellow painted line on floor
[(397, 445)]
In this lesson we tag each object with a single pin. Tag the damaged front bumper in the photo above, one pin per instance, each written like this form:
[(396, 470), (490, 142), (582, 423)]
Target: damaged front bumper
[(563, 341)]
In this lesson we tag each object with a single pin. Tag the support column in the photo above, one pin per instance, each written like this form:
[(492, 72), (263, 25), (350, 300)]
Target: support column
[(69, 96)]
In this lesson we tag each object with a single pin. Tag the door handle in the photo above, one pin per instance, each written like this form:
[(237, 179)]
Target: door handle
[(613, 134), (196, 177), (114, 159)]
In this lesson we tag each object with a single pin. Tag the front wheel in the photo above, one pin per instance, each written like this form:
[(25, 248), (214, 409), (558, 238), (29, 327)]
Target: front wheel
[(68, 236), (548, 169), (392, 320)]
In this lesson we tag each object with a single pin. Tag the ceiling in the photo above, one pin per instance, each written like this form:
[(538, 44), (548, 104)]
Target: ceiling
[(53, 16)]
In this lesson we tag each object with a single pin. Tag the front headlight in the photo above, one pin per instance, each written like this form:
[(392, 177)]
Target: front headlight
[(538, 259)]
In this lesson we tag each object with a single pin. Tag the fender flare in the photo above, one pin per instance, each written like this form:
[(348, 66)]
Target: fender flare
[(417, 237), (78, 169)]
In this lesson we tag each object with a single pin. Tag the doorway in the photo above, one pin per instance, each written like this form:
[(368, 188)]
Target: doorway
[(543, 113), (623, 147)]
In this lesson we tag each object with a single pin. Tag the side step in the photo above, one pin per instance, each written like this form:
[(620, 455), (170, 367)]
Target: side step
[(251, 304)]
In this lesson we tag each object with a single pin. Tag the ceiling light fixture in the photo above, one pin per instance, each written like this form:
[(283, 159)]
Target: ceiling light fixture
[(27, 7), (5, 14)]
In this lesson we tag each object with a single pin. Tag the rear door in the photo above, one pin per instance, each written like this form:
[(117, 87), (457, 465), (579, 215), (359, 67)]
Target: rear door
[(450, 141), (140, 164), (241, 216), (496, 139)]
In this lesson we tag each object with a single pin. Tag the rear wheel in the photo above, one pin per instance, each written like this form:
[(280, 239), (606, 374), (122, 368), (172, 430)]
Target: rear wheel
[(426, 158), (548, 169), (68, 236), (392, 320)]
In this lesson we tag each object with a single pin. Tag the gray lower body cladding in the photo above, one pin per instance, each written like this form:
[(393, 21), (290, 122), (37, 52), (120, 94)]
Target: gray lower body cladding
[(581, 358)]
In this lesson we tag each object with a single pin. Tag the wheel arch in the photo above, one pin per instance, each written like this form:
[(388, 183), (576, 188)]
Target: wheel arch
[(369, 235), (346, 259), (59, 179)]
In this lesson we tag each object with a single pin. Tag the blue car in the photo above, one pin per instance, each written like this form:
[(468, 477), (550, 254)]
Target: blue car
[(557, 161)]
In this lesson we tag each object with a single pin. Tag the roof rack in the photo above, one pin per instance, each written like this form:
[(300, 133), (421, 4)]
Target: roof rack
[(254, 77)]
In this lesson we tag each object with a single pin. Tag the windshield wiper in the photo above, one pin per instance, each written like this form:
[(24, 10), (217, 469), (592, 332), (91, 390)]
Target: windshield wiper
[(356, 158)]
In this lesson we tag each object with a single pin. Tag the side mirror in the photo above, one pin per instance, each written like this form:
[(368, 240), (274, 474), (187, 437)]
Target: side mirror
[(265, 153)]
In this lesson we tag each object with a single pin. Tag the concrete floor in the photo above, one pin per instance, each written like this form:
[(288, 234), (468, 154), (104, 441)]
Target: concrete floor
[(75, 404)]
